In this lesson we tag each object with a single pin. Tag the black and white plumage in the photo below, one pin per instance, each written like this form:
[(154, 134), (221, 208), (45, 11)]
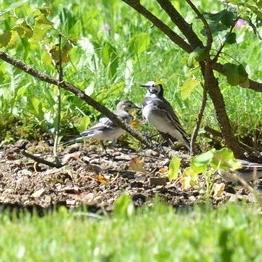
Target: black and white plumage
[(248, 171), (105, 129), (159, 113)]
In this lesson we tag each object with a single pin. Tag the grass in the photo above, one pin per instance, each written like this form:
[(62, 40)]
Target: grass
[(116, 50), (231, 233)]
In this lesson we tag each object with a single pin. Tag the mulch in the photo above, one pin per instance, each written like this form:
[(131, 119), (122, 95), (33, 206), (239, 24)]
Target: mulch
[(94, 179)]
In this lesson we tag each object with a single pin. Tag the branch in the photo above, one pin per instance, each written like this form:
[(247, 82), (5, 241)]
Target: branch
[(181, 23), (254, 85), (256, 32), (199, 119), (206, 25), (79, 93), (224, 43), (212, 87), (158, 23), (41, 160), (60, 72)]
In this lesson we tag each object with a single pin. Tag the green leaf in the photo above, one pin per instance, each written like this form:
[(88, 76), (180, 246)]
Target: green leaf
[(5, 38), (110, 91), (227, 18), (23, 30), (42, 19), (199, 54), (124, 206), (231, 38), (200, 162), (190, 178), (83, 123), (110, 58), (140, 43), (236, 74), (174, 168), (188, 87), (223, 159)]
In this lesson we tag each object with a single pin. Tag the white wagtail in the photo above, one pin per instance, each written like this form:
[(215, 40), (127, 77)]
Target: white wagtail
[(160, 114), (248, 171), (105, 129)]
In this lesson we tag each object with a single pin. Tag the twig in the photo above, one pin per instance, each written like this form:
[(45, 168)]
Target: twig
[(254, 85), (206, 25), (158, 23), (58, 120), (254, 29), (199, 119), (224, 43), (79, 93), (248, 187), (213, 132), (40, 160), (181, 23)]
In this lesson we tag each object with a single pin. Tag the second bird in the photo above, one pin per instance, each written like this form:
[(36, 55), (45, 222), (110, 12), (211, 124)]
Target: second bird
[(160, 114), (105, 129)]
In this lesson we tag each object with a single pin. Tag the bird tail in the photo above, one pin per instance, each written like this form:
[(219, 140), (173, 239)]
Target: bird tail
[(83, 135)]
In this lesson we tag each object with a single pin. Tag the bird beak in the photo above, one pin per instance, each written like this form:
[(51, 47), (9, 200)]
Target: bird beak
[(146, 86)]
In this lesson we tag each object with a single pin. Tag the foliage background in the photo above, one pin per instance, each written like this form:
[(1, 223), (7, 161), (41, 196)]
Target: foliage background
[(114, 51)]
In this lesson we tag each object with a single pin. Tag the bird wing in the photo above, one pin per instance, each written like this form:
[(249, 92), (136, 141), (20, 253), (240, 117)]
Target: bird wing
[(163, 109), (247, 166)]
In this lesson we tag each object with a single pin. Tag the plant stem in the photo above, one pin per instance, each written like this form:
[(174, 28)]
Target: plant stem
[(58, 116)]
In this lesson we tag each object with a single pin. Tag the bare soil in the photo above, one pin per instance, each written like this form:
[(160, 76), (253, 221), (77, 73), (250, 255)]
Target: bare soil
[(94, 179)]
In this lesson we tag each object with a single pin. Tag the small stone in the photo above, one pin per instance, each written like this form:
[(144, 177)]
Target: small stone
[(158, 181), (136, 184), (71, 202)]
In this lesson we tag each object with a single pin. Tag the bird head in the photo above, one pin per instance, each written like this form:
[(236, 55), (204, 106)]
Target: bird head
[(154, 89), (126, 105)]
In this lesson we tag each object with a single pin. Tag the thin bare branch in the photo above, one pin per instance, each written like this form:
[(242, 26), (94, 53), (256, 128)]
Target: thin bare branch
[(254, 85), (59, 67), (181, 23), (158, 23), (206, 25), (224, 43), (199, 119), (79, 93), (40, 160)]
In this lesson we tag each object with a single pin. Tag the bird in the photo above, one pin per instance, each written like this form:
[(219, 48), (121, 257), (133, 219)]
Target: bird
[(158, 112), (105, 129), (246, 170)]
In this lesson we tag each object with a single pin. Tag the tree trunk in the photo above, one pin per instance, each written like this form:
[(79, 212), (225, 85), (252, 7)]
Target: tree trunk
[(212, 87)]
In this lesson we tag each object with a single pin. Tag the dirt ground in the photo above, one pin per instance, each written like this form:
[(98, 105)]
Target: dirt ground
[(94, 179)]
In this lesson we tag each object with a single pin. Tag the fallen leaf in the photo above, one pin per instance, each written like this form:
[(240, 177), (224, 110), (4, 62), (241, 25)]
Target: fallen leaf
[(163, 171), (101, 179), (218, 189), (38, 193), (137, 164), (135, 123), (68, 157)]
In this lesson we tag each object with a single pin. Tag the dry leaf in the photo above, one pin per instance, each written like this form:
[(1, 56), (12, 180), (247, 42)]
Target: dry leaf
[(101, 179), (163, 171), (135, 123), (68, 157), (38, 193), (137, 164), (219, 189)]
